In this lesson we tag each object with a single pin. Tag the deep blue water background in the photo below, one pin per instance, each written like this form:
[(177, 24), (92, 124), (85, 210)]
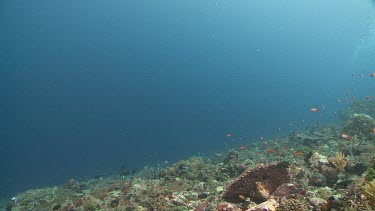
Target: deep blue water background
[(87, 87)]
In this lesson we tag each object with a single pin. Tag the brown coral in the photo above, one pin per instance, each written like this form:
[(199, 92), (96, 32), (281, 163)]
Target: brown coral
[(257, 183)]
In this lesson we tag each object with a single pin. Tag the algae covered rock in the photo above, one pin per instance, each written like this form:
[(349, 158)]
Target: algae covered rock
[(257, 183)]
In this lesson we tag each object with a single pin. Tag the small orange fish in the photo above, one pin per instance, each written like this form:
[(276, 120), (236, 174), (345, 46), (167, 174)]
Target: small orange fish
[(372, 74), (242, 197), (373, 130), (314, 109), (344, 135), (298, 154), (270, 151), (242, 148), (368, 97)]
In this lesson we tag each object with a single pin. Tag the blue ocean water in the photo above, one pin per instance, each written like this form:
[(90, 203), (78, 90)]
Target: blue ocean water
[(90, 86)]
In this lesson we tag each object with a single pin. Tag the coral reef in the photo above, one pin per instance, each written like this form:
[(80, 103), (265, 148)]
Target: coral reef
[(360, 125), (314, 169)]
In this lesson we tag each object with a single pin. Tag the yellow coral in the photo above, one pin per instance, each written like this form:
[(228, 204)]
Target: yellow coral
[(340, 162), (369, 191)]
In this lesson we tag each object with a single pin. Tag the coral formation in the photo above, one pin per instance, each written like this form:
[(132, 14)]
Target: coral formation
[(339, 161), (369, 192), (292, 205), (257, 183), (360, 125)]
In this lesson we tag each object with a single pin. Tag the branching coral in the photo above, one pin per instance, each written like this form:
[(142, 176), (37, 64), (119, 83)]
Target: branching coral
[(340, 162)]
